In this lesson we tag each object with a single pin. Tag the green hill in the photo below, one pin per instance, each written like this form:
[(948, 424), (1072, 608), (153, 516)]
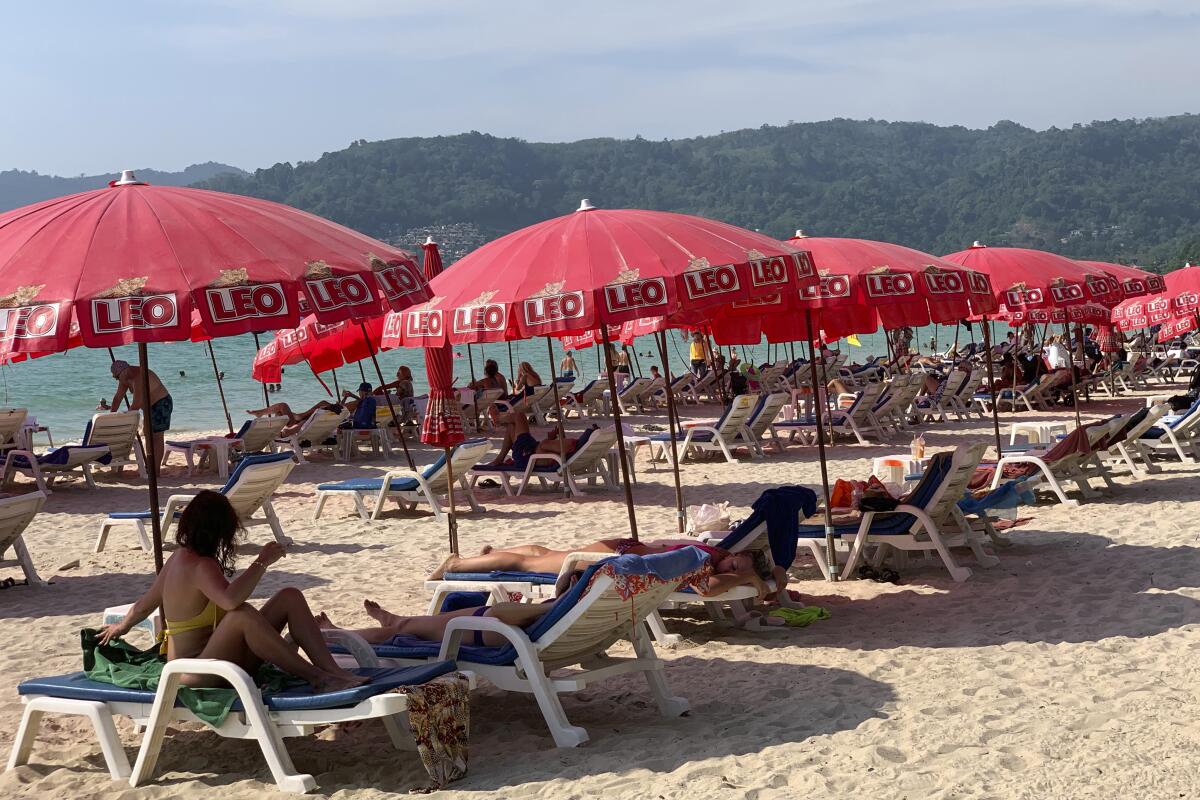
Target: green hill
[(19, 188)]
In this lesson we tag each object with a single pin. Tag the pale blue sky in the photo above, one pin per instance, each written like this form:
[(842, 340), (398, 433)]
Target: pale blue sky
[(94, 87)]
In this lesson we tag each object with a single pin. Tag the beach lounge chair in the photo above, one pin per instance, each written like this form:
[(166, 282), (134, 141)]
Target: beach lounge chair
[(964, 398), (119, 430), (630, 395), (264, 717), (928, 520), (409, 487), (942, 401), (12, 421), (898, 395), (318, 431), (855, 419), (542, 401), (588, 462), (255, 436), (610, 602), (1057, 465), (762, 422), (1174, 434), (15, 515), (722, 437), (679, 388), (1122, 450), (248, 490), (589, 402), (703, 388), (45, 468)]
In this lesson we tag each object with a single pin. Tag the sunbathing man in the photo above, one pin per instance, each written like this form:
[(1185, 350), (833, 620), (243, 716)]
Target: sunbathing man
[(350, 402), (432, 628), (730, 569), (524, 445)]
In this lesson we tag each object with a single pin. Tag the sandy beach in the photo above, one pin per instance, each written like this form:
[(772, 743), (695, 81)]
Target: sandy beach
[(1064, 672)]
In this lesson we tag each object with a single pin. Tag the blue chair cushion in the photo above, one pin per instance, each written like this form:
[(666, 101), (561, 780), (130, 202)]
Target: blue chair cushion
[(76, 686), (370, 485), (410, 647), (538, 578), (61, 455), (453, 601)]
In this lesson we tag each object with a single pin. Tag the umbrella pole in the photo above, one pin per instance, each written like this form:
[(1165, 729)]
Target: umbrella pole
[(637, 364), (616, 409), (599, 369), (830, 549), (1071, 352), (266, 400), (451, 516), (220, 389), (362, 373), (558, 412), (987, 360), (712, 364), (112, 359), (1081, 343), (672, 425), (957, 328), (387, 396), (151, 457), (336, 389), (512, 378), (471, 361)]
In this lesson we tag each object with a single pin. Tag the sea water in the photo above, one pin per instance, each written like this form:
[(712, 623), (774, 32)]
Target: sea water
[(63, 390)]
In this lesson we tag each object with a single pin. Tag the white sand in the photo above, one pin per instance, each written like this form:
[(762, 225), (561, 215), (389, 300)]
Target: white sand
[(1064, 672)]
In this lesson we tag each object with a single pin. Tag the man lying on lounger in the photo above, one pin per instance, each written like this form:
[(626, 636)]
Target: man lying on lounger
[(354, 403), (729, 569), (523, 445)]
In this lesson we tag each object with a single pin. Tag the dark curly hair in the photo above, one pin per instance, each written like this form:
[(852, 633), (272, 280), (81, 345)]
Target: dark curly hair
[(209, 527)]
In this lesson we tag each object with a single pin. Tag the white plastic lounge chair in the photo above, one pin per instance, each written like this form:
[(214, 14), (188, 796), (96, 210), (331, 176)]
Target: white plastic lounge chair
[(577, 630), (942, 401), (680, 384), (255, 436), (929, 520), (476, 415), (630, 395), (12, 421), (590, 401), (1176, 434), (266, 718), (15, 515), (318, 431), (703, 388), (45, 468), (409, 487), (964, 398), (588, 462), (542, 401), (855, 419), (1056, 466), (762, 421), (722, 437), (248, 490), (1124, 450), (119, 430)]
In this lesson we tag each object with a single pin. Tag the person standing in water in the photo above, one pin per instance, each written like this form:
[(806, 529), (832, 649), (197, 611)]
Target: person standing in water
[(159, 405)]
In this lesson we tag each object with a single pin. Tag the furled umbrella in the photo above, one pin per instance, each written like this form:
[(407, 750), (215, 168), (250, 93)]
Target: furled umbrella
[(442, 426), (594, 268), (132, 261)]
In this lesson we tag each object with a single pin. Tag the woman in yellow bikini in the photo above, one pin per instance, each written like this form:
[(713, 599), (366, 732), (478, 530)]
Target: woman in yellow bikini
[(207, 615)]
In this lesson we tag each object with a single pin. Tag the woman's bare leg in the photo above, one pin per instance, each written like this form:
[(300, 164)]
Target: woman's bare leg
[(288, 607), (275, 410), (499, 560), (245, 637)]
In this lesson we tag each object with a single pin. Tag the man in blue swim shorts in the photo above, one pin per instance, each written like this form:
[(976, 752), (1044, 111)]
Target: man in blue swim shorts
[(129, 379)]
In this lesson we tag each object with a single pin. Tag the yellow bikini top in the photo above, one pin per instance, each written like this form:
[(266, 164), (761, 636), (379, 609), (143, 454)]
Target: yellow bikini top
[(208, 617)]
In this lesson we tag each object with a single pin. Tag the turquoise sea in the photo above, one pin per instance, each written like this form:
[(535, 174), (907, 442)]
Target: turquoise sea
[(62, 390)]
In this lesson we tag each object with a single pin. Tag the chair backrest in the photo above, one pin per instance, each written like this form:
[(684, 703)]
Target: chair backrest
[(954, 383), (953, 485), (766, 410), (117, 429), (865, 401), (259, 432), (595, 448), (15, 515), (255, 480), (11, 421), (634, 388), (464, 456), (1188, 420), (320, 426), (736, 415)]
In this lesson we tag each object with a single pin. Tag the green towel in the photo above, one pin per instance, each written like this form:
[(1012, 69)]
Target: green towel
[(800, 617), (122, 664)]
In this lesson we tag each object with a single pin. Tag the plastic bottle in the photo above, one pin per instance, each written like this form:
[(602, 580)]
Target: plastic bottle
[(913, 448), (920, 444)]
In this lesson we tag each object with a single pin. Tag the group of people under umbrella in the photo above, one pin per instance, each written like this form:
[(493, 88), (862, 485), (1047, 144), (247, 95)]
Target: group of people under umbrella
[(134, 263)]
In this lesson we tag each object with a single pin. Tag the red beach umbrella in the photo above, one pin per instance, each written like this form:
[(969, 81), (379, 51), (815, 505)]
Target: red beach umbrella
[(320, 345), (1182, 292), (131, 262), (1135, 282)]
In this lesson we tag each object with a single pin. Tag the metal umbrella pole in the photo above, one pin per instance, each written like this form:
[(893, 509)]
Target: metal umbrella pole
[(673, 426), (151, 457), (1074, 390), (616, 409), (220, 389), (471, 362), (558, 409), (512, 378), (388, 397), (830, 546), (257, 347), (987, 360), (337, 390)]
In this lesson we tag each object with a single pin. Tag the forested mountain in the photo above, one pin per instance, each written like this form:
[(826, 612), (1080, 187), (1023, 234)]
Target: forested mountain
[(19, 188)]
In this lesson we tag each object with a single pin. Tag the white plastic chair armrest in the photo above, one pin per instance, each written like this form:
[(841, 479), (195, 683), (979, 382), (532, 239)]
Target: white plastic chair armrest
[(355, 645), (552, 457), (452, 637)]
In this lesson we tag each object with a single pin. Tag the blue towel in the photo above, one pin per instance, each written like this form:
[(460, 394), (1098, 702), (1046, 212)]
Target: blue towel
[(781, 509), (61, 455), (667, 566), (1009, 494)]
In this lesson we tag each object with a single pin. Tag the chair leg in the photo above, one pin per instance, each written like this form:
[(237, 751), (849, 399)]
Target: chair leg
[(659, 629), (565, 734), (143, 539), (102, 723), (273, 521), (26, 562), (668, 705)]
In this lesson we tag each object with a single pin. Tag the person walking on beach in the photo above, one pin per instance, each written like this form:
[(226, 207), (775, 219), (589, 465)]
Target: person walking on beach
[(567, 367), (159, 406), (699, 355)]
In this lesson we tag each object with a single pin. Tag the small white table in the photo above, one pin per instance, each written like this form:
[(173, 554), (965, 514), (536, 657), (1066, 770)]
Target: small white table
[(349, 438), (216, 448), (1036, 432), (895, 469)]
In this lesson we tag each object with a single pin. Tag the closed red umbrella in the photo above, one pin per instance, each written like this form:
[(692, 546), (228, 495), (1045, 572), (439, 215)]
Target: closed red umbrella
[(132, 262), (442, 426)]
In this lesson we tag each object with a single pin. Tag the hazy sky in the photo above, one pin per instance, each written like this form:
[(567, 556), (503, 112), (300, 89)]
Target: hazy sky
[(94, 87)]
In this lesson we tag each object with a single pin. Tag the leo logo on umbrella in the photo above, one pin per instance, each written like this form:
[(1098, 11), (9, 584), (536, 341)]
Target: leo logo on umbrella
[(329, 292), (705, 280), (553, 305), (481, 315), (889, 284), (424, 324), (627, 292), (233, 297), (122, 308), (941, 282), (29, 322)]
